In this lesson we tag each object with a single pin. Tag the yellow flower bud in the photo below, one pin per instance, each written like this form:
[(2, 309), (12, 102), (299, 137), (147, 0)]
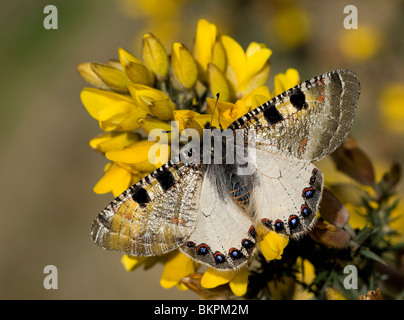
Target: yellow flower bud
[(183, 65), (136, 71), (152, 100), (113, 141), (218, 83), (155, 56), (104, 76), (152, 125)]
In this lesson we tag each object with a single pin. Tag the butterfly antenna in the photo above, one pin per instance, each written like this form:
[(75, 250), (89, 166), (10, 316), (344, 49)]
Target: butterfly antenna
[(218, 118)]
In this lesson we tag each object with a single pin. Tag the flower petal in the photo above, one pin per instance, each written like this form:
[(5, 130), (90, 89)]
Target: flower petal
[(184, 67), (272, 245), (155, 56), (218, 83), (204, 41), (95, 100), (285, 81), (130, 262), (178, 265), (240, 282), (115, 180), (136, 71), (213, 278), (144, 155), (236, 62), (113, 141), (103, 76)]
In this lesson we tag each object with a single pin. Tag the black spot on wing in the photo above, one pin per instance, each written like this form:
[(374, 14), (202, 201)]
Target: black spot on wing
[(272, 115), (166, 179), (298, 100), (140, 196), (336, 79)]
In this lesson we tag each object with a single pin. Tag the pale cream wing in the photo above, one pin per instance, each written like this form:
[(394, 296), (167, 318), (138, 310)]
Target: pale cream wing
[(308, 121)]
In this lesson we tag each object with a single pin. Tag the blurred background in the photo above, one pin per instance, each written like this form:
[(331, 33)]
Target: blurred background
[(47, 168)]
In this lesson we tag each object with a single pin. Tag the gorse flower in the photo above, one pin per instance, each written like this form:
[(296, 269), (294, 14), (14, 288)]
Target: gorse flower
[(134, 100), (145, 94)]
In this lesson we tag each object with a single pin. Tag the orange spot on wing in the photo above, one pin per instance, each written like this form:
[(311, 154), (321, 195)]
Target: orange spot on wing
[(321, 98), (303, 145), (177, 221)]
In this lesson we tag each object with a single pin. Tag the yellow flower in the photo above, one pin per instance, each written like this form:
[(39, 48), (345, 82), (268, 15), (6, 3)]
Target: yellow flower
[(272, 245), (116, 180), (230, 112), (154, 127), (144, 155), (360, 44), (135, 69), (155, 56), (208, 49), (285, 81), (218, 83), (112, 110), (184, 68), (104, 76), (237, 279), (391, 106), (150, 9), (176, 266), (248, 70), (292, 25), (305, 275), (112, 141), (152, 101), (143, 107)]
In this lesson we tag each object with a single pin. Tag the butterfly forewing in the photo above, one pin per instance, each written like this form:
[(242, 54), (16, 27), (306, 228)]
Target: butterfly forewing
[(309, 120)]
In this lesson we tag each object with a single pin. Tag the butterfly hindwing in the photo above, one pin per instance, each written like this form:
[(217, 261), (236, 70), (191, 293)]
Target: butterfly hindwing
[(286, 193), (301, 125), (224, 236)]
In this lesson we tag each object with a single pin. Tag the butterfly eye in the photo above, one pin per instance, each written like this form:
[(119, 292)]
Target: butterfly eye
[(235, 254), (293, 222), (202, 249), (278, 225), (308, 193), (305, 210)]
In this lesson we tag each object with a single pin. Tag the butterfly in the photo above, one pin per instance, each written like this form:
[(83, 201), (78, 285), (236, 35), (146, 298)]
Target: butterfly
[(215, 215)]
